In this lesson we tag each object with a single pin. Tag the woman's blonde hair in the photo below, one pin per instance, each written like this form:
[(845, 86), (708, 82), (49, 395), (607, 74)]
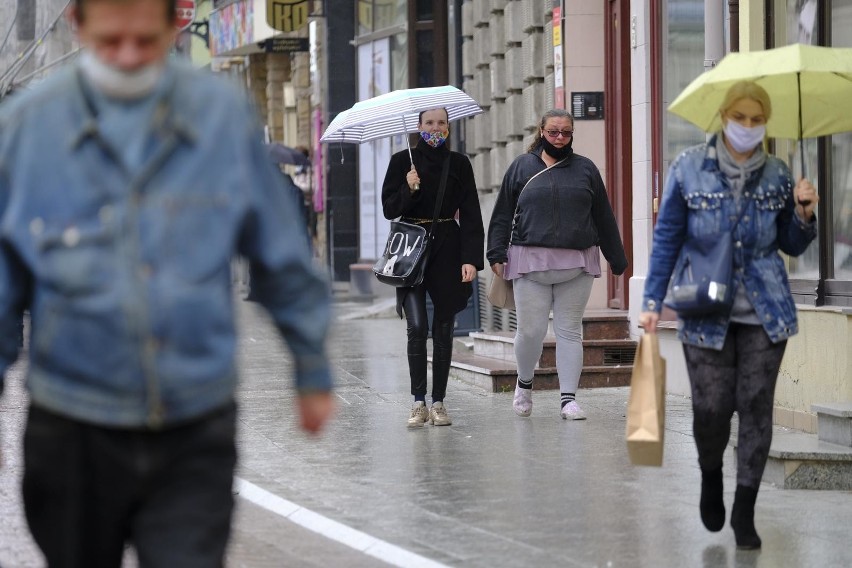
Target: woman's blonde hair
[(747, 90)]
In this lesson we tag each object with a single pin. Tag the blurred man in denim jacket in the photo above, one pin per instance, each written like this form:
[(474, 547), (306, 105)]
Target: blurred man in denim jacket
[(127, 184)]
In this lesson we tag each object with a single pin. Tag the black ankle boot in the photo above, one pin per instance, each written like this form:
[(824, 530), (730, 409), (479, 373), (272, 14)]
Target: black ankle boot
[(712, 503), (742, 518)]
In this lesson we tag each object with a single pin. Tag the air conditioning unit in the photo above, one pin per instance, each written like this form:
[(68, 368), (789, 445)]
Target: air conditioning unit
[(533, 47), (515, 68), (511, 21), (498, 31), (467, 19), (498, 78)]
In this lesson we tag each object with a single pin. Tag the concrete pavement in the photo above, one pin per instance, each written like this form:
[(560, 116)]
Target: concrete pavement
[(493, 489)]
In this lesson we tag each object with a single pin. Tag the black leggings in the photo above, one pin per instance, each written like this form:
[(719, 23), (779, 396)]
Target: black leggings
[(741, 377), (442, 343)]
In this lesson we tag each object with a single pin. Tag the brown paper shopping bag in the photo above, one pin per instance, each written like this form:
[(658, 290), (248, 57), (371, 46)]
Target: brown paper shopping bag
[(501, 293), (646, 408)]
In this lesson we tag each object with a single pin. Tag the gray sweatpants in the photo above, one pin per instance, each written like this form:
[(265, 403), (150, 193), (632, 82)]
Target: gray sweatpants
[(567, 293), (741, 377)]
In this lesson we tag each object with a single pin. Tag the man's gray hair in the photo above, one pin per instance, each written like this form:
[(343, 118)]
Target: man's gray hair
[(171, 7)]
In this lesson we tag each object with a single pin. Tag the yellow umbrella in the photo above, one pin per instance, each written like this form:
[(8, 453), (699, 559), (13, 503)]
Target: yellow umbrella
[(810, 88)]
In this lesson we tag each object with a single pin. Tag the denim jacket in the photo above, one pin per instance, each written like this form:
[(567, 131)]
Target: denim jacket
[(126, 271), (697, 201)]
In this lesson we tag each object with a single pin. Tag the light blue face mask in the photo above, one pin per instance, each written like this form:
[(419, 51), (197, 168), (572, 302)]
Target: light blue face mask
[(742, 138), (434, 139), (118, 84)]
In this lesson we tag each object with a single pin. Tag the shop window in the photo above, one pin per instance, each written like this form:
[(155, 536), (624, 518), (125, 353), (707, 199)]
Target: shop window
[(683, 60), (841, 159), (425, 60), (425, 10)]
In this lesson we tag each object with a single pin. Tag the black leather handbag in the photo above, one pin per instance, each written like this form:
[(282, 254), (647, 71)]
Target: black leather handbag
[(703, 281), (403, 264)]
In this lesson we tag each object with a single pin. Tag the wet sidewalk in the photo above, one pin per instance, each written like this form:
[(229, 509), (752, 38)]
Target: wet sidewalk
[(494, 489), (491, 490)]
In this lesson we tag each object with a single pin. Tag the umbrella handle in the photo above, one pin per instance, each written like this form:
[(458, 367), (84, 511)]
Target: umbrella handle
[(802, 202), (410, 157)]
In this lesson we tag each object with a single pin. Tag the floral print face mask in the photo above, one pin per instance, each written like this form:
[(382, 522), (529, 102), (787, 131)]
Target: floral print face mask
[(434, 139)]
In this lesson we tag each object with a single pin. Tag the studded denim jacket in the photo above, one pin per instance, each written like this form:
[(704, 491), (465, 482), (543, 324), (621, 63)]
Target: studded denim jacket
[(697, 201)]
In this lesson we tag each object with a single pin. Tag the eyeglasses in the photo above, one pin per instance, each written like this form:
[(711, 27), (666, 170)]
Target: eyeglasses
[(557, 133)]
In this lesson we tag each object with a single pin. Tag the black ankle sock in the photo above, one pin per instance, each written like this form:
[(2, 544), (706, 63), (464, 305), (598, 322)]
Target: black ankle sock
[(420, 398), (567, 397), (524, 384)]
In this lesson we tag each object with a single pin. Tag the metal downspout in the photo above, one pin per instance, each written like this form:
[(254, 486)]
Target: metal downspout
[(714, 32)]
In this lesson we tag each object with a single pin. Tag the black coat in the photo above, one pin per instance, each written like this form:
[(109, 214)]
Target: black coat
[(453, 243), (567, 207)]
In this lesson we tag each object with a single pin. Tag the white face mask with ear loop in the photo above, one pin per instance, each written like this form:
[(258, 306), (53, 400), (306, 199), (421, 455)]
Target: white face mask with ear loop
[(742, 138), (118, 84)]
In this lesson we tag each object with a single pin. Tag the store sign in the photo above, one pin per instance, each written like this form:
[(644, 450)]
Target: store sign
[(285, 44), (287, 15), (185, 13)]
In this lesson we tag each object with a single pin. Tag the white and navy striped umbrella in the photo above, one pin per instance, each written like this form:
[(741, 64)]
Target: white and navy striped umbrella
[(396, 112)]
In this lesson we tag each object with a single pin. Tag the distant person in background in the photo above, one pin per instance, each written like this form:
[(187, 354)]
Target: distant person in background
[(303, 179)]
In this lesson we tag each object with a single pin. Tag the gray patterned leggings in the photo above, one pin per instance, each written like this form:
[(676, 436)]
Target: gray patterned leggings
[(741, 377)]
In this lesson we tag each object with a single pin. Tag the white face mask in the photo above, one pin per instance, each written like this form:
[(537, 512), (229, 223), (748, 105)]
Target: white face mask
[(118, 84), (742, 138)]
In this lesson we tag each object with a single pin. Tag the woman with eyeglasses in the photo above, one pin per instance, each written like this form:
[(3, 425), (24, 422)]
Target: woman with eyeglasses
[(551, 220)]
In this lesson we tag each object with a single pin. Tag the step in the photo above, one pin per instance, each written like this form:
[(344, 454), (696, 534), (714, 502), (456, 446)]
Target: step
[(609, 352), (498, 375), (834, 422), (606, 324), (802, 461)]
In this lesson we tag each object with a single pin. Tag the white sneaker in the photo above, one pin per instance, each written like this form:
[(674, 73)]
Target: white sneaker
[(522, 403), (572, 411), (419, 415)]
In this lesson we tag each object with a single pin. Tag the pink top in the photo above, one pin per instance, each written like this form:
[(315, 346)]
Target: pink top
[(522, 260)]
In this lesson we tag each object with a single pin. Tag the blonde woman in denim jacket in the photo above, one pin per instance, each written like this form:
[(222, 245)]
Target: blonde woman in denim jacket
[(733, 359)]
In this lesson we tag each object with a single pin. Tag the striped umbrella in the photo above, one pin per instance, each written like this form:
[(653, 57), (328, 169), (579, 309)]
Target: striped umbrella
[(395, 113)]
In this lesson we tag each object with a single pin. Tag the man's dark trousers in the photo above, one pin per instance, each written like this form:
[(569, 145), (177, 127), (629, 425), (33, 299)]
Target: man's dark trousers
[(89, 489)]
